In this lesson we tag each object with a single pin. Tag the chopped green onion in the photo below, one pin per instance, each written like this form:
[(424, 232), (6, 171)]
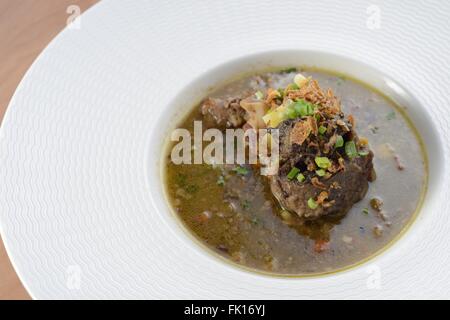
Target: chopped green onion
[(293, 173), (339, 142), (292, 86), (220, 181), (291, 113), (300, 108), (365, 210), (259, 95), (241, 170), (301, 177), (320, 172), (312, 204), (350, 149), (322, 129), (322, 162), (304, 108)]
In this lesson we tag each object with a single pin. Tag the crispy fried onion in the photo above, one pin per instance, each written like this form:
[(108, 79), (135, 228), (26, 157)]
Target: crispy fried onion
[(313, 93), (303, 129), (321, 200)]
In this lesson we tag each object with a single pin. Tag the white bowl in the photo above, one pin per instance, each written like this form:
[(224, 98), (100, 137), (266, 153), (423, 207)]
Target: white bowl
[(82, 208)]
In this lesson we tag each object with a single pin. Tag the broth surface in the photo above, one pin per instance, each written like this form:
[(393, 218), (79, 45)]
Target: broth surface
[(237, 217)]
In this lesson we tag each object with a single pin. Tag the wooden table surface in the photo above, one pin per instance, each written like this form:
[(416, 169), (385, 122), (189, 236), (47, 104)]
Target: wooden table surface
[(26, 27)]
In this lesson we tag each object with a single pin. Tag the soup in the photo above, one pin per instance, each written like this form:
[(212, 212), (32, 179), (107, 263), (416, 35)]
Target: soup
[(257, 222)]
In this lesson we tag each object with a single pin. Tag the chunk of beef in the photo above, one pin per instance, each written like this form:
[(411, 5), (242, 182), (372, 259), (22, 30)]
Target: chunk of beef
[(344, 189), (290, 150), (222, 113), (336, 192)]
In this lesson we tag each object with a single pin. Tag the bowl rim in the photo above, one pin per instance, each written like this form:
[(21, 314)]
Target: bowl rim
[(398, 94)]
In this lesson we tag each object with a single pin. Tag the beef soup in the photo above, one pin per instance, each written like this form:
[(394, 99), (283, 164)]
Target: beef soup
[(352, 175)]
